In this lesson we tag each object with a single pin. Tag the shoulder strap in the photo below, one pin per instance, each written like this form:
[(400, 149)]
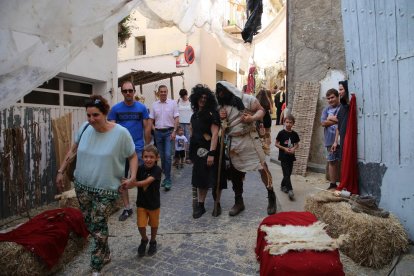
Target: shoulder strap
[(83, 132)]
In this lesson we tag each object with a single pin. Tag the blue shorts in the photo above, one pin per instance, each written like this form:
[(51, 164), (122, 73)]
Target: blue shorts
[(333, 156)]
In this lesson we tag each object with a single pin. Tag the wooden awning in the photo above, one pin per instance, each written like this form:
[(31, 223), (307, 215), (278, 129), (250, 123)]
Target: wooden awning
[(141, 77)]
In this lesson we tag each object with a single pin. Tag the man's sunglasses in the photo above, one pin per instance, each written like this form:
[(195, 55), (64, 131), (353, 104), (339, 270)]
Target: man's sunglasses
[(128, 91)]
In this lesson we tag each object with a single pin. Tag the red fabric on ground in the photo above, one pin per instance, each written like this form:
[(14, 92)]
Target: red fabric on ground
[(304, 263), (47, 234), (349, 164)]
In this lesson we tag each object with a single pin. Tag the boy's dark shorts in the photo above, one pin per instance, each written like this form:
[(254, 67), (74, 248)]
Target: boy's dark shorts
[(179, 154), (333, 155)]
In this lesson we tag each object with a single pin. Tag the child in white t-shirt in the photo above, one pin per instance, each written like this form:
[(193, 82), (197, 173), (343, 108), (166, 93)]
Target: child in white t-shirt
[(180, 146)]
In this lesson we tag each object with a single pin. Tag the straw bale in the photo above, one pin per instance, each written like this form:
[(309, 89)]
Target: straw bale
[(69, 199), (17, 260), (372, 242)]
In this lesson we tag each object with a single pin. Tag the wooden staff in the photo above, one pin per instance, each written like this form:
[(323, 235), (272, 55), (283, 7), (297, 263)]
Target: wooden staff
[(223, 128)]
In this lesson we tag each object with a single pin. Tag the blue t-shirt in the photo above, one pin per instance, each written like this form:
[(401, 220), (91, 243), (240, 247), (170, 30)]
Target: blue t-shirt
[(131, 117), (329, 132)]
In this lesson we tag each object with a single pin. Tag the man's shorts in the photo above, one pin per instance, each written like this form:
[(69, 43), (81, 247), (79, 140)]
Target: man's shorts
[(148, 217), (333, 155)]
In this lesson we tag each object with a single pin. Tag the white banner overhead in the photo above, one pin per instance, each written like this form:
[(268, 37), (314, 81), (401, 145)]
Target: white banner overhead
[(57, 31)]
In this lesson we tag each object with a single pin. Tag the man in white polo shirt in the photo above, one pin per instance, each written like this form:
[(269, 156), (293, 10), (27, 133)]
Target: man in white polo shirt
[(165, 117)]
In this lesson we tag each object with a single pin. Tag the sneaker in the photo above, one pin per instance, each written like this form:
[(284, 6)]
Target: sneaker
[(181, 165), (125, 214), (142, 247), (177, 166), (167, 184), (291, 195), (332, 186), (163, 183), (152, 248), (284, 189)]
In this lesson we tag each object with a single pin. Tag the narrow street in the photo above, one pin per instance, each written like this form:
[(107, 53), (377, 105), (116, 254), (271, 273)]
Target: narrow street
[(206, 246), (209, 245)]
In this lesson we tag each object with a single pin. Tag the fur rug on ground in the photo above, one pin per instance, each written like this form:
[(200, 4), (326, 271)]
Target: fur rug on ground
[(281, 238)]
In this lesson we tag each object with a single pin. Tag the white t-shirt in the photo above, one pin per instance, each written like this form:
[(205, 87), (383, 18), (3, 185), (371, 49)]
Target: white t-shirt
[(184, 108), (180, 142)]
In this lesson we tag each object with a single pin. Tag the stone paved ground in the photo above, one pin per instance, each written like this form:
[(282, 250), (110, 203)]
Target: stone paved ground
[(207, 246)]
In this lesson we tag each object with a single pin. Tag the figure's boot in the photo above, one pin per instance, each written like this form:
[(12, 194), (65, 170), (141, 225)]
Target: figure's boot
[(271, 207), (238, 206)]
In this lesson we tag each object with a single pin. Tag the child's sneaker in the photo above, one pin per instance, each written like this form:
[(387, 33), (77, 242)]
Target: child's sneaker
[(125, 214), (152, 248), (142, 247)]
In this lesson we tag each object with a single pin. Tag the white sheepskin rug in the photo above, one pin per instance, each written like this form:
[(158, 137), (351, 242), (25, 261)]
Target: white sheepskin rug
[(281, 239)]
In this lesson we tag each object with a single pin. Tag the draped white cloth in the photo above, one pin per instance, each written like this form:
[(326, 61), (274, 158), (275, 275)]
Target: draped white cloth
[(57, 31)]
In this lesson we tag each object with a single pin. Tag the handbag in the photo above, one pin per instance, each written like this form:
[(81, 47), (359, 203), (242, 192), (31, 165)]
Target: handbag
[(71, 162)]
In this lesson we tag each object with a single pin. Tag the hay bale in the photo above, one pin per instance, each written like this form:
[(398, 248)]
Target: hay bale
[(373, 241), (69, 199), (17, 260)]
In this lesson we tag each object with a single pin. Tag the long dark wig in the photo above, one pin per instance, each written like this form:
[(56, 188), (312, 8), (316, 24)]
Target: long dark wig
[(196, 93), (263, 99), (345, 99), (228, 98)]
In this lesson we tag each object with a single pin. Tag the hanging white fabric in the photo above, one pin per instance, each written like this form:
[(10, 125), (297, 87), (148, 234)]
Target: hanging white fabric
[(55, 32)]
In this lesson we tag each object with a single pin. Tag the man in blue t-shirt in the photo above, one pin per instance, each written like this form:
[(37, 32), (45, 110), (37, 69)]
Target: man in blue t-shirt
[(134, 116)]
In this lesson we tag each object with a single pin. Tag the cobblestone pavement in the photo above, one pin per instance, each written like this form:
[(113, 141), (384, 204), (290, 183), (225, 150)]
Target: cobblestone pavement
[(208, 245)]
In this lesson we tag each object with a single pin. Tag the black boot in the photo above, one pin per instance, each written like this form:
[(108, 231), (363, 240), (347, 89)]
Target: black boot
[(199, 211), (238, 206), (271, 207)]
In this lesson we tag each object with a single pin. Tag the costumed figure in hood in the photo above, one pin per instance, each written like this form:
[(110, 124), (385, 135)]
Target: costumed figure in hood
[(240, 112)]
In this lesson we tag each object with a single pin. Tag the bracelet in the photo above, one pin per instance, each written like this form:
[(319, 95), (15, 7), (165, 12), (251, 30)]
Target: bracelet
[(211, 153)]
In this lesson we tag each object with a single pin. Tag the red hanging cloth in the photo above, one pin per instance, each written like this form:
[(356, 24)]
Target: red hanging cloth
[(250, 80), (349, 165)]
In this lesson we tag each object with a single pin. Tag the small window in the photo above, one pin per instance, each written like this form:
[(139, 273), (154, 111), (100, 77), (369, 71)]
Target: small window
[(37, 97), (52, 84), (70, 100), (140, 46), (77, 87)]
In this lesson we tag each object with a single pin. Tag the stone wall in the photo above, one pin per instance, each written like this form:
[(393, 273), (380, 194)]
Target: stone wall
[(315, 48)]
